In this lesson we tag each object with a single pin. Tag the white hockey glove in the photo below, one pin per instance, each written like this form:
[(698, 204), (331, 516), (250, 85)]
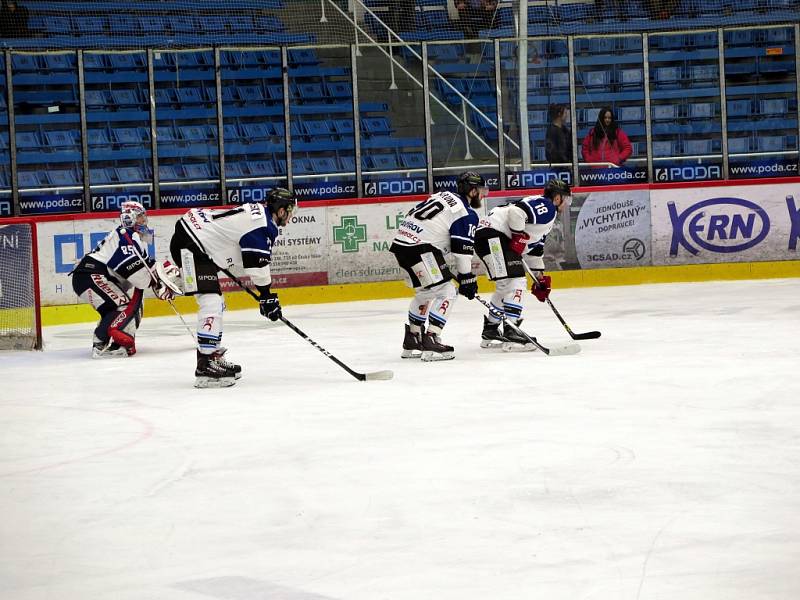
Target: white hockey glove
[(162, 291)]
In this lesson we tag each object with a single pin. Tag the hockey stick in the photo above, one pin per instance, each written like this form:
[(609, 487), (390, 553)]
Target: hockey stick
[(550, 351), (373, 376), (156, 278), (589, 335)]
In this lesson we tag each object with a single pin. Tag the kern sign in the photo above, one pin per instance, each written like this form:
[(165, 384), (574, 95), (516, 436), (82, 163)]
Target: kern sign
[(725, 224)]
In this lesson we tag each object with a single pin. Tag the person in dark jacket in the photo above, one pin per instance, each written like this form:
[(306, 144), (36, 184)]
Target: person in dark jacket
[(13, 20), (558, 140)]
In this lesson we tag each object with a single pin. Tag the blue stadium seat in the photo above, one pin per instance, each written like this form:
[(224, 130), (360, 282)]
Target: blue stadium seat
[(413, 160), (669, 42), (317, 128), (194, 133), (97, 98), (126, 61), (739, 145), (778, 35), (343, 126), (125, 98), (197, 171), (275, 92), (739, 37), (589, 115), (775, 66), (4, 140), (375, 126), (250, 93), (302, 166), (666, 77), (559, 80), (630, 78), (324, 164), (60, 62), (151, 25), (704, 72), (538, 117), (665, 112), (213, 24), (28, 140), (230, 133), (100, 176), (740, 69), (267, 23), (303, 56), (165, 96), (602, 45), (261, 168), (61, 139), (166, 133), (771, 143), (182, 24), (443, 52), (309, 91), (189, 95), (90, 25), (169, 173), (701, 110), (279, 129), (130, 174), (62, 177), (695, 147), (29, 179), (739, 108), (348, 163), (235, 169), (630, 114), (664, 148), (384, 162), (596, 79), (339, 89), (24, 62), (239, 24), (773, 106), (255, 131), (130, 135)]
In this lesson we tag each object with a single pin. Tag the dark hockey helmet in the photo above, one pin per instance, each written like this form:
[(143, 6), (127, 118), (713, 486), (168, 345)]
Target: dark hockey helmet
[(467, 181), (557, 186), (281, 198)]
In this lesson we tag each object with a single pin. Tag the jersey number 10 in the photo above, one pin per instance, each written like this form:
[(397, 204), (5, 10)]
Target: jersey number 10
[(427, 210)]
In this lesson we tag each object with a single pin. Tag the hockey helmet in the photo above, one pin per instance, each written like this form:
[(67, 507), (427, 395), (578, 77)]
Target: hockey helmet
[(557, 186), (133, 215), (281, 198), (469, 180)]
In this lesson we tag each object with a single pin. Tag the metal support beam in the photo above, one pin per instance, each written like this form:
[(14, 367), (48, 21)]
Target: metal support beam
[(573, 110), (501, 142), (287, 121), (426, 95), (648, 115), (87, 195), (723, 101), (354, 54), (151, 84), (223, 193), (12, 136)]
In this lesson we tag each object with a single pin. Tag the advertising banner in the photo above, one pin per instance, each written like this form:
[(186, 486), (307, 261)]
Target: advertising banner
[(612, 229), (106, 201), (176, 198), (773, 166), (50, 204), (5, 205), (300, 254), (360, 237), (725, 224), (536, 178), (681, 171), (613, 175)]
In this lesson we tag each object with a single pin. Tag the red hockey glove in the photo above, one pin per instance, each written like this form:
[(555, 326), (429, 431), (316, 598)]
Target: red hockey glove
[(519, 242), (541, 286)]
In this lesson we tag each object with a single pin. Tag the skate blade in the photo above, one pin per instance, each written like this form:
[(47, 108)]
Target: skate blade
[(411, 354), (514, 347), (429, 356), (491, 344), (211, 382)]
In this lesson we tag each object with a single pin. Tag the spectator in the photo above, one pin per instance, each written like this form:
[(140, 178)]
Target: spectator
[(13, 20), (558, 140), (474, 15), (606, 142), (661, 9)]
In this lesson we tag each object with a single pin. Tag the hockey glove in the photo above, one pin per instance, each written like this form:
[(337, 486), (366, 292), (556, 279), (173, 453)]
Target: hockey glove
[(270, 306), (541, 286), (467, 285), (162, 291), (519, 242)]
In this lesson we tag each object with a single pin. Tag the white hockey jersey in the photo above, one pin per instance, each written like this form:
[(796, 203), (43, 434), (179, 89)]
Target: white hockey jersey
[(444, 221), (238, 238), (122, 256), (535, 215)]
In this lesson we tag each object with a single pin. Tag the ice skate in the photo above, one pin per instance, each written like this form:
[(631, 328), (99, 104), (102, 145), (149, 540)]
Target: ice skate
[(211, 373), (108, 349), (219, 354), (433, 349), (412, 344), (491, 336), (515, 341)]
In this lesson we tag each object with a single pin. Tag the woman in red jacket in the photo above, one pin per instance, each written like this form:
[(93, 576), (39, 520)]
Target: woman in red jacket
[(606, 142)]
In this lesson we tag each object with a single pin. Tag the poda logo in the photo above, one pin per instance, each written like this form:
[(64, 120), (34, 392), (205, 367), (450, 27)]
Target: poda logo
[(370, 189), (723, 225), (512, 180)]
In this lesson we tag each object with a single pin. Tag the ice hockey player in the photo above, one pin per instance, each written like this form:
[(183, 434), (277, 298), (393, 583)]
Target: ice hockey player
[(510, 234), (113, 277), (444, 223), (239, 239)]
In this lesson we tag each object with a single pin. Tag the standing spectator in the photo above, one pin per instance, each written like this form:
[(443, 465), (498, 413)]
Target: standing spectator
[(474, 15), (606, 142), (401, 15), (13, 20), (558, 140)]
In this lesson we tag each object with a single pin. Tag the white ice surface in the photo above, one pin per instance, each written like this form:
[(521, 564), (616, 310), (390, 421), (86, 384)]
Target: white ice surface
[(663, 462)]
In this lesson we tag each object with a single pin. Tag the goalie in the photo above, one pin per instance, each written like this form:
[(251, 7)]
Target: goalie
[(113, 277)]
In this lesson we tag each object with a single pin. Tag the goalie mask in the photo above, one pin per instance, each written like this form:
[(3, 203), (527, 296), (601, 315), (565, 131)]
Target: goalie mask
[(134, 216), (468, 181), (280, 198)]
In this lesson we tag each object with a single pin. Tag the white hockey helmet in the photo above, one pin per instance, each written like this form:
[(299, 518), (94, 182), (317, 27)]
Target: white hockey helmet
[(133, 215)]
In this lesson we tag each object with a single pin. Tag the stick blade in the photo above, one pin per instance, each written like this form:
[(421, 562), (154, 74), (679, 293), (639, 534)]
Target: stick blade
[(589, 335), (379, 376), (565, 350)]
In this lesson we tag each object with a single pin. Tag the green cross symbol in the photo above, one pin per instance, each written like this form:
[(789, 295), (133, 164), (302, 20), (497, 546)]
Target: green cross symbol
[(349, 233)]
